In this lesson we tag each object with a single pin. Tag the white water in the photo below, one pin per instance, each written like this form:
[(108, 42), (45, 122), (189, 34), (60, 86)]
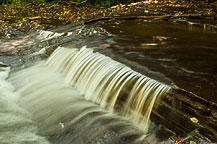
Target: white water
[(60, 94), (60, 110), (48, 34), (105, 81), (16, 126)]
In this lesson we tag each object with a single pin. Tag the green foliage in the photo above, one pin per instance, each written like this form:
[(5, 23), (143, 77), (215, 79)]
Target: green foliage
[(193, 133), (17, 1), (108, 3), (105, 3), (192, 142)]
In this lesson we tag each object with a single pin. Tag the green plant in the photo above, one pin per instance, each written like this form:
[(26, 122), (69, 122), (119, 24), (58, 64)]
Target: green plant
[(192, 142), (106, 3)]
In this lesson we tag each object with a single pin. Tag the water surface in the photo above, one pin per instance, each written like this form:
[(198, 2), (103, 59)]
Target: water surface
[(184, 54)]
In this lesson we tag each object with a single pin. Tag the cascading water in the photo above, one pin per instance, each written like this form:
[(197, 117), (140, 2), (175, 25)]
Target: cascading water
[(108, 83), (63, 115), (62, 95), (16, 125)]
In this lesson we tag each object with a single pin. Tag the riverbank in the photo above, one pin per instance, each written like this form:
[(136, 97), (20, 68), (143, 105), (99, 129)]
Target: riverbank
[(21, 18)]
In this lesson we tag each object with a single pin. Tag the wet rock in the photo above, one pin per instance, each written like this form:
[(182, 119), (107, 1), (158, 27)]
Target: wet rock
[(3, 65), (135, 54)]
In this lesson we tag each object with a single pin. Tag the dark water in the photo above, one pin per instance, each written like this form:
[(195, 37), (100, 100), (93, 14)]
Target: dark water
[(185, 54)]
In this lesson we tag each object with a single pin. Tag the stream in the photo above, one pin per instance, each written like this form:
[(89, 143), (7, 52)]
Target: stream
[(98, 75), (184, 54)]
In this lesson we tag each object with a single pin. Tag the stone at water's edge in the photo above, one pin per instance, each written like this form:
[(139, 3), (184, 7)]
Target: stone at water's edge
[(180, 107)]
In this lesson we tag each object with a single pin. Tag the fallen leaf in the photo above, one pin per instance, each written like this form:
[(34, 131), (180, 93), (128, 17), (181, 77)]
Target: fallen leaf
[(192, 142), (194, 120), (193, 133), (178, 139)]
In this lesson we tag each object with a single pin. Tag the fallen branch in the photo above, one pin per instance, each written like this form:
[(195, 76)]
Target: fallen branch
[(164, 17), (204, 26)]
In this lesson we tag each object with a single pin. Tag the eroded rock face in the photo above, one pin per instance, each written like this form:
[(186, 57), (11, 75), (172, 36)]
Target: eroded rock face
[(15, 45)]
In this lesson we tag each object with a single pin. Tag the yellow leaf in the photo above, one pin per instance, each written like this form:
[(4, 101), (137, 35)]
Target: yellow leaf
[(194, 120), (178, 139), (36, 17)]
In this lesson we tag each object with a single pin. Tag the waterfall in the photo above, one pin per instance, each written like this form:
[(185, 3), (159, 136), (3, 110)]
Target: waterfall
[(81, 96), (109, 83), (63, 115)]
